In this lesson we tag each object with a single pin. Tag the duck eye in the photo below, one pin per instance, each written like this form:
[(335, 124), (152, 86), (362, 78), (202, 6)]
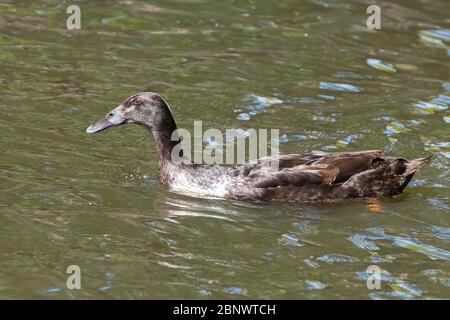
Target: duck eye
[(110, 114), (137, 102)]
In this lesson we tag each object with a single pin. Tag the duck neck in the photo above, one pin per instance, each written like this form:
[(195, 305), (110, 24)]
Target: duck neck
[(165, 136)]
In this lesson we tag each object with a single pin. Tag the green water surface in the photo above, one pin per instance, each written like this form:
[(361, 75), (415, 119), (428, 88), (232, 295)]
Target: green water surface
[(311, 69)]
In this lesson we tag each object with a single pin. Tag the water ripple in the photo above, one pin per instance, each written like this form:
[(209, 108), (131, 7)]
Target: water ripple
[(337, 258), (255, 105), (343, 87), (363, 242), (381, 65)]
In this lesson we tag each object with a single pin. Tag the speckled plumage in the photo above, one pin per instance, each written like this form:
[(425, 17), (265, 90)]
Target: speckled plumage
[(297, 178)]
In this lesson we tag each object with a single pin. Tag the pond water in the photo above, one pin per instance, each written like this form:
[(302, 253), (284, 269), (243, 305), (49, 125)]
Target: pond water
[(310, 69)]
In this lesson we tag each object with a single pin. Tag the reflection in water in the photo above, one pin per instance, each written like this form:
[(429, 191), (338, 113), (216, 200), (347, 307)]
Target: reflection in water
[(339, 87), (381, 65), (310, 69)]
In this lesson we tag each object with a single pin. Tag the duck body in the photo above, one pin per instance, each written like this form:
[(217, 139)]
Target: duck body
[(295, 178), (299, 178)]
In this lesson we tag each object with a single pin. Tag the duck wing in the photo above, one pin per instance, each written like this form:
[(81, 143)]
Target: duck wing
[(316, 169)]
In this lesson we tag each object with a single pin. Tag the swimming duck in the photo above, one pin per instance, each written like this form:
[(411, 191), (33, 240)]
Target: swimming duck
[(297, 178)]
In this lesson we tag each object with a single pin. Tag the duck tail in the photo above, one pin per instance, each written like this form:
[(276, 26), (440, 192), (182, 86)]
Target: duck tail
[(414, 165)]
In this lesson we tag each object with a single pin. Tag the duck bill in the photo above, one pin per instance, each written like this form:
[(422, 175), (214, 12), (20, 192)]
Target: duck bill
[(111, 120), (100, 125)]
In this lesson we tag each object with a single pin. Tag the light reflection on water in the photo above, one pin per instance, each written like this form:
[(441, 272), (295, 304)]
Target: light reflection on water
[(310, 69)]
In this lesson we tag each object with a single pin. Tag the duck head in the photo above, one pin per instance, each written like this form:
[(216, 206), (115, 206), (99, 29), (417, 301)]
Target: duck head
[(147, 109)]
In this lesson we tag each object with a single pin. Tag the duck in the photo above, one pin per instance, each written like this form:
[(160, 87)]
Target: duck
[(315, 177)]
